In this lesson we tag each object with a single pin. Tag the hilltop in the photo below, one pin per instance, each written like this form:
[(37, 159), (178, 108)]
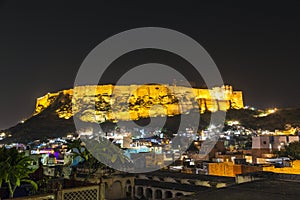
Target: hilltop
[(53, 116)]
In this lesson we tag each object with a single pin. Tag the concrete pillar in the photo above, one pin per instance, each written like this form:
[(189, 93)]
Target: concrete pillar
[(163, 194), (173, 194), (102, 191), (132, 190), (123, 186)]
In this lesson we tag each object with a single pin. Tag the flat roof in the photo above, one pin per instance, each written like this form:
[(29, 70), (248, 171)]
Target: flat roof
[(262, 189)]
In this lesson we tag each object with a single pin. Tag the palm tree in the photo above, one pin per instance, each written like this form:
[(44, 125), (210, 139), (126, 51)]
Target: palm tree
[(14, 169)]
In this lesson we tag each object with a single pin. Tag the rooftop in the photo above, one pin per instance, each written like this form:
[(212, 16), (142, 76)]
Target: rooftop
[(263, 189)]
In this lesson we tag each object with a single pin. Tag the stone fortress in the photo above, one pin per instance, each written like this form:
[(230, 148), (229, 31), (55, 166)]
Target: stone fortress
[(108, 102)]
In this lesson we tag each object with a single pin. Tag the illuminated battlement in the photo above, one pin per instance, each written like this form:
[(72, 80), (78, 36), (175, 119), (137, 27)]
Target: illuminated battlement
[(138, 101)]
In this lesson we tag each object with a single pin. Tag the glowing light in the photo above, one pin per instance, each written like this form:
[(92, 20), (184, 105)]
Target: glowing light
[(231, 123), (266, 113), (43, 151)]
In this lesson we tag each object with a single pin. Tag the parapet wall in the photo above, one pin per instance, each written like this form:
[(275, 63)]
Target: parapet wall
[(140, 99)]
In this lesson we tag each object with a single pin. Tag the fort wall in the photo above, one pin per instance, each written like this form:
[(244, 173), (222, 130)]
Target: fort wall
[(135, 101)]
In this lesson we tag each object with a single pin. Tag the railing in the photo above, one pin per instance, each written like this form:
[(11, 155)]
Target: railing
[(39, 197), (81, 193)]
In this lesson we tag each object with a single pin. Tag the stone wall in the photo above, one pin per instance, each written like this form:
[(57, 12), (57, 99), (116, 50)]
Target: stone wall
[(138, 101)]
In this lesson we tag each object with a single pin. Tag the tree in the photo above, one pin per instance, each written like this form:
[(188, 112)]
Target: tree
[(86, 157), (14, 169), (106, 150), (292, 151)]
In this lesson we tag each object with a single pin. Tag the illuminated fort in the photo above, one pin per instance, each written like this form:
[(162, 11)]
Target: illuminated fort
[(138, 101)]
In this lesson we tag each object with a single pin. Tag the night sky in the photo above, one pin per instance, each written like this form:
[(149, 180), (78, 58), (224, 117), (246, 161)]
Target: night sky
[(255, 45)]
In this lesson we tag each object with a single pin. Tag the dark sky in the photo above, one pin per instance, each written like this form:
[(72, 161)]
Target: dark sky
[(255, 45)]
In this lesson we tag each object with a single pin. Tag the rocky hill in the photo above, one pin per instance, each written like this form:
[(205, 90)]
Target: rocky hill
[(53, 116), (121, 103)]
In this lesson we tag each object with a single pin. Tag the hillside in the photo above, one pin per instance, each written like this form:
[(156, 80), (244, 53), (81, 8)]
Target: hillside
[(54, 117), (274, 121), (48, 124)]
